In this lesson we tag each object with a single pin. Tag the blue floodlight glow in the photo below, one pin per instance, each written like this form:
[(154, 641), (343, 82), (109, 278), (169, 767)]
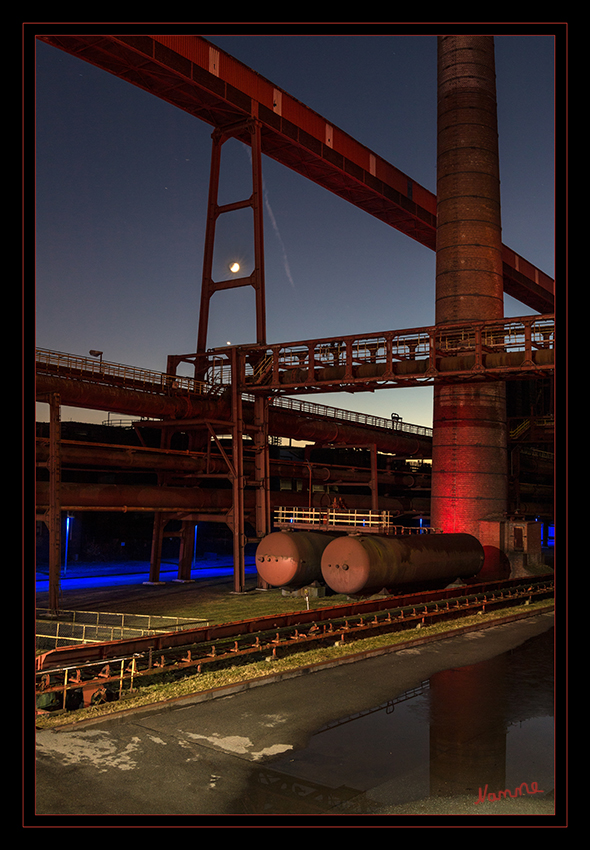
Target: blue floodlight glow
[(86, 576), (68, 522)]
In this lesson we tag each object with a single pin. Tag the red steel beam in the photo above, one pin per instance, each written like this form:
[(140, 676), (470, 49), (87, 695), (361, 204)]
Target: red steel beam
[(191, 73)]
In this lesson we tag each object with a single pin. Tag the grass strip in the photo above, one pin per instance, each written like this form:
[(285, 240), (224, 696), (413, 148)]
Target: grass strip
[(153, 694)]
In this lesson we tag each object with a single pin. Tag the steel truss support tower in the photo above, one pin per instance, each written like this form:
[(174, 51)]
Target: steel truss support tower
[(255, 201), (469, 468), (257, 280)]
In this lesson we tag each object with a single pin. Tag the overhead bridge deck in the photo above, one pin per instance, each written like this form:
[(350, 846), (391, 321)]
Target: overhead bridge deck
[(171, 400), (192, 74)]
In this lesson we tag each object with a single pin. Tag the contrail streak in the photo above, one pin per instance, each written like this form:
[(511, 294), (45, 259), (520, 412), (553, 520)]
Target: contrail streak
[(275, 226), (276, 230)]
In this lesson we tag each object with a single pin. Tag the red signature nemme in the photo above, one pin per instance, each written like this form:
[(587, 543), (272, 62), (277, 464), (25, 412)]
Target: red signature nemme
[(503, 795)]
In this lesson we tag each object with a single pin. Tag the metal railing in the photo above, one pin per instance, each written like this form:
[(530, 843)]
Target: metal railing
[(345, 520), (117, 374), (349, 416), (520, 429), (69, 627), (504, 335), (398, 355), (128, 423)]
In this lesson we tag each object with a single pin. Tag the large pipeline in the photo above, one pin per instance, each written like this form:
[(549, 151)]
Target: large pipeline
[(104, 455), (83, 455), (459, 363), (131, 497), (371, 563), (217, 502)]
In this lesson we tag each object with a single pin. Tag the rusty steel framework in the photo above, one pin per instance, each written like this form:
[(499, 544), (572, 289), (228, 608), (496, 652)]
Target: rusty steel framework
[(214, 210), (451, 353), (120, 663), (235, 389)]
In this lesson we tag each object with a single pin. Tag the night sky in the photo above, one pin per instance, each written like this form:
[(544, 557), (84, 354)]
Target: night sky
[(121, 201)]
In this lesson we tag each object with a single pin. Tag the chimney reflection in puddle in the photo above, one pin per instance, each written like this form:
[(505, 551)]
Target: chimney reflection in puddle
[(467, 728)]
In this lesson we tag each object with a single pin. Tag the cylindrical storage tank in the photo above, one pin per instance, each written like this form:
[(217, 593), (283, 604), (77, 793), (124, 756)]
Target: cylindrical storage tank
[(367, 564), (291, 558)]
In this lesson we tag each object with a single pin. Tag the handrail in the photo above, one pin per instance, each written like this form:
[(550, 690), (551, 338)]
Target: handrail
[(345, 520), (416, 356), (87, 368), (520, 429), (349, 415)]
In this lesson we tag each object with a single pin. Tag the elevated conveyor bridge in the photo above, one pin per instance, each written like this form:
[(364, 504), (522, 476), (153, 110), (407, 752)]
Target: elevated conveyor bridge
[(514, 348)]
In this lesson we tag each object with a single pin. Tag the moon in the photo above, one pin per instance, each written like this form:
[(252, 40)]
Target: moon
[(234, 267)]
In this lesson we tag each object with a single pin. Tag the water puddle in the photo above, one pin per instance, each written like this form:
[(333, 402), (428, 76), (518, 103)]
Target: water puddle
[(470, 740)]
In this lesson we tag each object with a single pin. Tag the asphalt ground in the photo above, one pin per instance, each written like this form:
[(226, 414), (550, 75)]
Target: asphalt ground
[(225, 762)]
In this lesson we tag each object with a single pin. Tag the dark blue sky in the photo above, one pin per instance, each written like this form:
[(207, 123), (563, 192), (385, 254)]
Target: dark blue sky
[(122, 179)]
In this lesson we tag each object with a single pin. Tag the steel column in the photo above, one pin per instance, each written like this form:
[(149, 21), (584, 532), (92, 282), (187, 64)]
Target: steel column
[(159, 525), (374, 480), (156, 553), (261, 466), (187, 546), (54, 513), (209, 286), (258, 209), (237, 478)]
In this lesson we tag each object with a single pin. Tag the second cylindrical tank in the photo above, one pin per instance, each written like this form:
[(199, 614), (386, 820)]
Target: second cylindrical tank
[(291, 558), (370, 563)]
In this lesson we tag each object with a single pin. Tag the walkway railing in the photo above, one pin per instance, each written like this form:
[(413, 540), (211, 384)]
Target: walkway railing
[(322, 519), (76, 627), (117, 374), (499, 348), (341, 415)]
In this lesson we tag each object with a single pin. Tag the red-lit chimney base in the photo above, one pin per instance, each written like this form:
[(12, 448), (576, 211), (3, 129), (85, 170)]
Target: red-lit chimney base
[(469, 468)]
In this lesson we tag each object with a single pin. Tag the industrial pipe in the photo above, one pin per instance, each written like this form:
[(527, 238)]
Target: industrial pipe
[(102, 455), (444, 365), (200, 499)]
